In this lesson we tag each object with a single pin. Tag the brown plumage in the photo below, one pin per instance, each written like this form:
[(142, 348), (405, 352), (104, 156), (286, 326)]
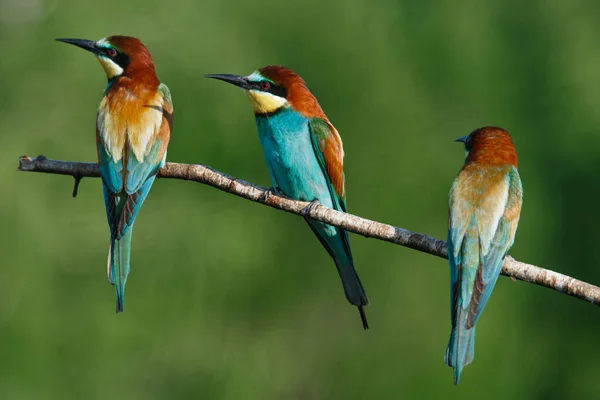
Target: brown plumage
[(134, 106), (141, 67), (133, 127), (304, 102), (485, 202), (492, 146), (302, 147), (299, 97)]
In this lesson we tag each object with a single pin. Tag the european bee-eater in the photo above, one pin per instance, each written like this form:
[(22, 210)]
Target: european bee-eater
[(304, 156), (133, 127), (485, 203)]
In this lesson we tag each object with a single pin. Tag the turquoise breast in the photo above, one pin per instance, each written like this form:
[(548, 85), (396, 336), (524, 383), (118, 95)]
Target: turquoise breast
[(290, 157)]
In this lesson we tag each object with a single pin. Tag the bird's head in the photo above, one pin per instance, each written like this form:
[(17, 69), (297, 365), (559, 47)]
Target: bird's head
[(274, 88), (118, 55), (489, 145)]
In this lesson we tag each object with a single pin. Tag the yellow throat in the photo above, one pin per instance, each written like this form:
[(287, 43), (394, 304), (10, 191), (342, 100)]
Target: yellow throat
[(264, 103)]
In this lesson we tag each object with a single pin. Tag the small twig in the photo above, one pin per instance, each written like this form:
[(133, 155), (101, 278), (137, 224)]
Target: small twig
[(77, 180), (349, 222)]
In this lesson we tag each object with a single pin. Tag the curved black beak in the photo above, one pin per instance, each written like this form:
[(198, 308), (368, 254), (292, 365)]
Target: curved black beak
[(88, 45), (237, 80), (462, 139)]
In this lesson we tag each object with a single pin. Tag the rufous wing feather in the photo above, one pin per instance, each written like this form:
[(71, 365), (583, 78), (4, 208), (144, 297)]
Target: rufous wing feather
[(328, 148)]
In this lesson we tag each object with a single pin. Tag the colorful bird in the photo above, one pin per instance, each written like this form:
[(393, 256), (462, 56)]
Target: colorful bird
[(485, 203), (133, 128), (304, 156)]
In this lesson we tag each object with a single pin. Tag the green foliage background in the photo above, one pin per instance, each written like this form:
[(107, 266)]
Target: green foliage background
[(232, 300)]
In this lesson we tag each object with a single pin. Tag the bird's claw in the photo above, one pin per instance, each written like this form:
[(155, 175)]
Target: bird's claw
[(264, 198), (309, 208)]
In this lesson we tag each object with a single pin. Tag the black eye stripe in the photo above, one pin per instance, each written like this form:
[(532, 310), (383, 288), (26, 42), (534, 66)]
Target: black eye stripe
[(273, 89), (121, 59), (278, 91), (469, 144)]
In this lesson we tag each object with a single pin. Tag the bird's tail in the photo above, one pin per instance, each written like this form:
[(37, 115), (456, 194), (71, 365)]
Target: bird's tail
[(336, 243), (353, 288), (118, 265), (461, 347)]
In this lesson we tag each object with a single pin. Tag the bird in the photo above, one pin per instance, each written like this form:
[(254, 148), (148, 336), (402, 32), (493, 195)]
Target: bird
[(485, 205), (304, 155), (133, 128)]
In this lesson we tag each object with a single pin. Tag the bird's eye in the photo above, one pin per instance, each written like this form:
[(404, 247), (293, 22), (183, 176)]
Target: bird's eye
[(111, 52), (265, 85)]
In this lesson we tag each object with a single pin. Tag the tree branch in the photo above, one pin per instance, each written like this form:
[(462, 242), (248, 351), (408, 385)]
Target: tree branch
[(372, 229)]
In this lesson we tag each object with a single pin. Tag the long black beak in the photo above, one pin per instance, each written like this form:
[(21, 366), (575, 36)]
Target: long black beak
[(462, 139), (237, 80), (88, 45)]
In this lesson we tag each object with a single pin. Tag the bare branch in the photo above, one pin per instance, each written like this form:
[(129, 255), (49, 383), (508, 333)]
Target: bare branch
[(372, 229)]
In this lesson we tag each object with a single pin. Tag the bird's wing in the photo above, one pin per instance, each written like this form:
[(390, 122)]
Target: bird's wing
[(502, 240), (142, 166), (111, 170), (327, 146), (125, 176), (460, 218), (480, 233)]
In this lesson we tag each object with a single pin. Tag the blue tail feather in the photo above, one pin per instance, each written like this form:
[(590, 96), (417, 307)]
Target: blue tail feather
[(461, 346), (120, 250), (122, 210), (335, 241)]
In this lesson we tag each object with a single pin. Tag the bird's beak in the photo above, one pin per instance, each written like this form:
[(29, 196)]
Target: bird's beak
[(237, 80), (462, 139), (88, 45)]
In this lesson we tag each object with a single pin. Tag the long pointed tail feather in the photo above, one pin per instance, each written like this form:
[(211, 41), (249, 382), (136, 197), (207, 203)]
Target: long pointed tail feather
[(353, 289), (336, 243), (118, 268), (461, 346), (121, 210), (363, 317)]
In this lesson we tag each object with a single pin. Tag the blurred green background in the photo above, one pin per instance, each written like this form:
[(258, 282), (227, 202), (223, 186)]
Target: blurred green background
[(232, 300)]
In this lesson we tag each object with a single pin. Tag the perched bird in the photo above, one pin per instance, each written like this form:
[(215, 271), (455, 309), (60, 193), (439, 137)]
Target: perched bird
[(133, 128), (485, 203), (304, 156)]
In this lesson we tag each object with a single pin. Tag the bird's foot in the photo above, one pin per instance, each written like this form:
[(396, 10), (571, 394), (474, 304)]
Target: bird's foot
[(264, 198), (309, 208)]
